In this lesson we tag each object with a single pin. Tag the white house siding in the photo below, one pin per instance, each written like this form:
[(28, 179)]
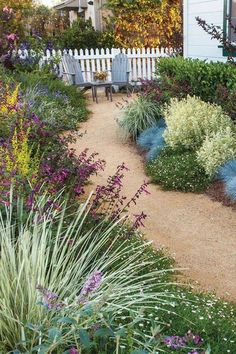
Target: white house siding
[(197, 43)]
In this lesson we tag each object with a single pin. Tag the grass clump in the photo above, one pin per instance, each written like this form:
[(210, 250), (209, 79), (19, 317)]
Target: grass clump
[(138, 115), (87, 278), (178, 170)]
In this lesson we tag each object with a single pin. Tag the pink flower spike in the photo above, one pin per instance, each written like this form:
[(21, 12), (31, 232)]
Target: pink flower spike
[(7, 10), (12, 37)]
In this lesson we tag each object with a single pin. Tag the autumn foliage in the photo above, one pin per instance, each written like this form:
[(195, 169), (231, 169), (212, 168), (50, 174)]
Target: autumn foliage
[(21, 10), (147, 23)]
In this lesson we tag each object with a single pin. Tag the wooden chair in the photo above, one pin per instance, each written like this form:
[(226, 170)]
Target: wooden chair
[(120, 71), (72, 72)]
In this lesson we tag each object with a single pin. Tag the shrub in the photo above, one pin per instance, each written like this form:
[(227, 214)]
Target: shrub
[(230, 188), (227, 171), (138, 115), (216, 150), (89, 278), (81, 35), (191, 119), (179, 77), (178, 170)]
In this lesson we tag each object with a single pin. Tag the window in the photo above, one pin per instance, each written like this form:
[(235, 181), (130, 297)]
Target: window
[(232, 13)]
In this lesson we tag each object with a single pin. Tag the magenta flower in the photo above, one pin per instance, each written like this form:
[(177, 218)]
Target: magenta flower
[(73, 350)]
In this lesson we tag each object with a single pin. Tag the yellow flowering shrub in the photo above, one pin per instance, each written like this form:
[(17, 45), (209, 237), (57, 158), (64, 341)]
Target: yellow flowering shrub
[(147, 23), (18, 154), (216, 150), (9, 100), (190, 120)]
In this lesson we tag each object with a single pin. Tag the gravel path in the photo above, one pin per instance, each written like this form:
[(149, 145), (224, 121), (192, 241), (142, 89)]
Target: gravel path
[(198, 232)]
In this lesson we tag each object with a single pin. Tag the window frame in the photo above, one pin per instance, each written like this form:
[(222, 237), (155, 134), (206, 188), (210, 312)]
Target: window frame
[(226, 13)]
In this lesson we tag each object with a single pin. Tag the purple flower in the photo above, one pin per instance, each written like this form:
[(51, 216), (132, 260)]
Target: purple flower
[(79, 190), (50, 299), (175, 342), (197, 339), (139, 218), (90, 286)]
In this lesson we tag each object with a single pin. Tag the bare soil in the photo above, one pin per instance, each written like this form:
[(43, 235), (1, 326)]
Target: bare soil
[(198, 232), (216, 192)]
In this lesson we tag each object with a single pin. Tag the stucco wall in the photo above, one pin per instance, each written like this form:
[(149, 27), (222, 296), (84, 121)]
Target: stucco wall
[(197, 43)]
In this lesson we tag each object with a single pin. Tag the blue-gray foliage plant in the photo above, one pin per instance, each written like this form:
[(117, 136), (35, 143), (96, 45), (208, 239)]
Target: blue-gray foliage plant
[(152, 140), (230, 188), (227, 174)]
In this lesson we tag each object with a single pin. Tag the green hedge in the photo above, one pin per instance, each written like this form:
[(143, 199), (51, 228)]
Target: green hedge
[(213, 82)]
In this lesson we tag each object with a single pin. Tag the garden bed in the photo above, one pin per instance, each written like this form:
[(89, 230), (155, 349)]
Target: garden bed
[(44, 214)]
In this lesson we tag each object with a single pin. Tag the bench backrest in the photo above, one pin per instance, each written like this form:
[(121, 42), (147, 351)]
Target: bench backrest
[(72, 66), (120, 68)]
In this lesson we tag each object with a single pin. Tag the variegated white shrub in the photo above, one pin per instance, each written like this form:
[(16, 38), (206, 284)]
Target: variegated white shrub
[(216, 150), (190, 120)]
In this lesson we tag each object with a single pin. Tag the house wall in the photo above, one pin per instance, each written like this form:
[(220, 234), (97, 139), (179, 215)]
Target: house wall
[(96, 12), (197, 43), (73, 15)]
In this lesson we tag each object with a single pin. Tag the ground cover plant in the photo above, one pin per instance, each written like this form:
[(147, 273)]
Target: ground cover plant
[(178, 170)]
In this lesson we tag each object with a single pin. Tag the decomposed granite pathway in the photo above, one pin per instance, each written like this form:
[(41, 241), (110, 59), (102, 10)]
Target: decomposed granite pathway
[(198, 232)]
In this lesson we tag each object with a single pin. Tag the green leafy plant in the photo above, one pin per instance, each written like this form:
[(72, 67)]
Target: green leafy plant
[(191, 119), (138, 115), (178, 170)]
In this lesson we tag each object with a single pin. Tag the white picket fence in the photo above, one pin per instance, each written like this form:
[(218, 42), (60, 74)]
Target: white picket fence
[(142, 61)]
